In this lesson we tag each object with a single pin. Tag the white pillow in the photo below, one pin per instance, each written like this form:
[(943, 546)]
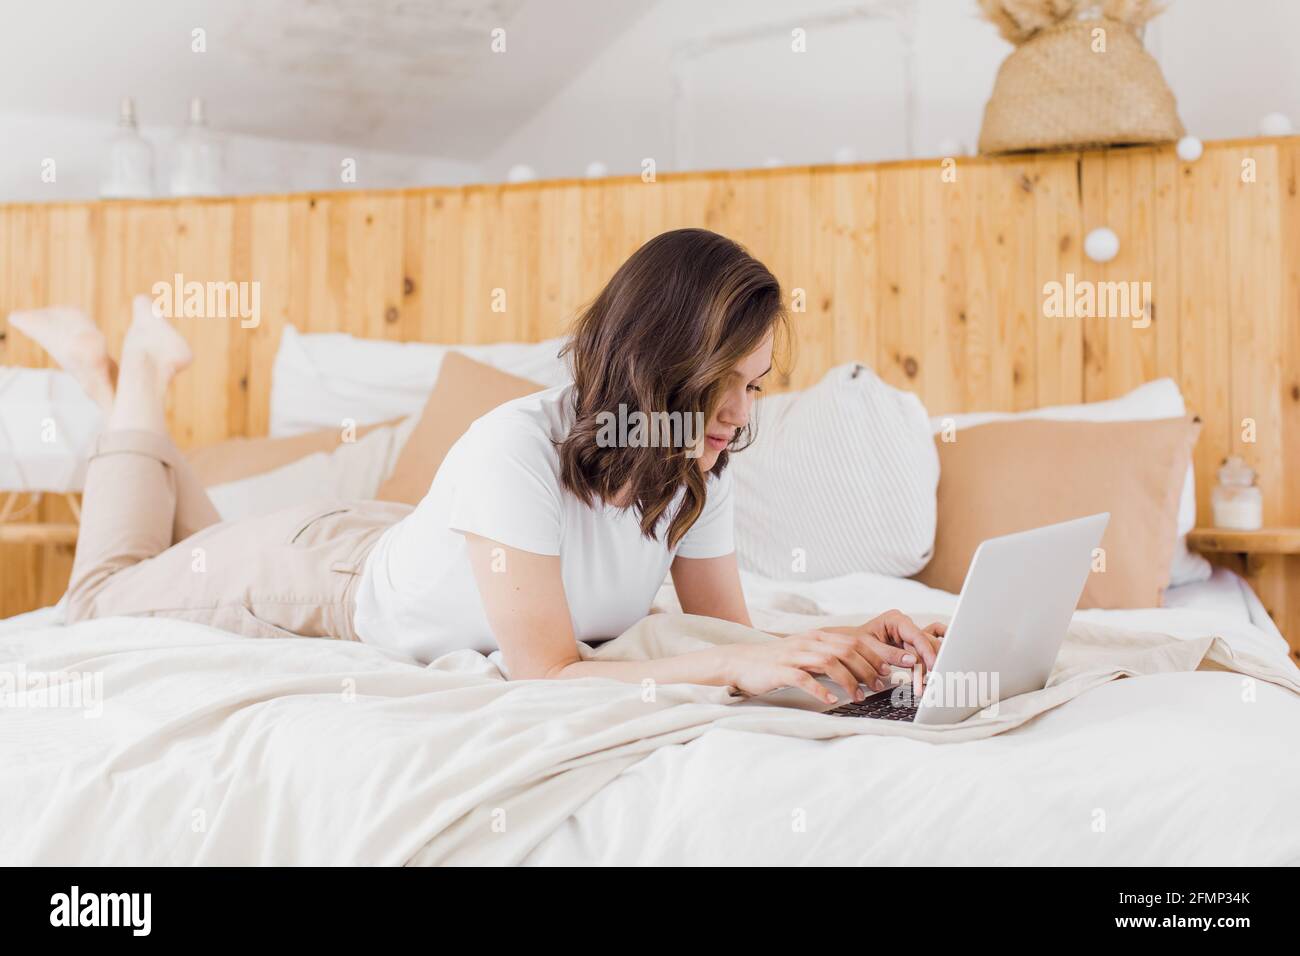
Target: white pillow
[(321, 380), (1158, 399), (47, 426), (351, 472), (840, 479)]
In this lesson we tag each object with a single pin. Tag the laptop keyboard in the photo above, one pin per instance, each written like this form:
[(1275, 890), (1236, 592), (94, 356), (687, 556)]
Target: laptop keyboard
[(882, 706)]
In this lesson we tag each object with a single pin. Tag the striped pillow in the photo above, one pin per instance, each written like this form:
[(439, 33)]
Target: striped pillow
[(841, 478)]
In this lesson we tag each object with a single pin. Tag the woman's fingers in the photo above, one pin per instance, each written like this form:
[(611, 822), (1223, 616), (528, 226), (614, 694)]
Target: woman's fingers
[(824, 662), (856, 648), (859, 667), (796, 677), (865, 672), (847, 647), (889, 654), (926, 645), (855, 645)]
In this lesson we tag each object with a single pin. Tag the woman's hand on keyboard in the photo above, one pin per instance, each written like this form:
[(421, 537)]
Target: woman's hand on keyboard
[(895, 637), (794, 660)]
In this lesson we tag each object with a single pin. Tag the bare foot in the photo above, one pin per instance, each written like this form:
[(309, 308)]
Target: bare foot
[(151, 339), (75, 343)]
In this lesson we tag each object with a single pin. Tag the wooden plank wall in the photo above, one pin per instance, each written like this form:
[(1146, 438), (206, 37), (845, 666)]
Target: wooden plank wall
[(937, 283)]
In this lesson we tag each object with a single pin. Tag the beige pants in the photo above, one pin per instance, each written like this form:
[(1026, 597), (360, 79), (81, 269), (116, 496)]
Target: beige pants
[(152, 544)]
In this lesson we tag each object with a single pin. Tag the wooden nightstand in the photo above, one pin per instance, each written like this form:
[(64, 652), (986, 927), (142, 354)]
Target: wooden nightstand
[(1251, 546), (38, 532), (13, 531), (37, 545), (1270, 559)]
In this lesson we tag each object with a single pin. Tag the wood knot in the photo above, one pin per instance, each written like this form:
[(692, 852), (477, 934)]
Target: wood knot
[(391, 315), (910, 367), (1295, 389), (243, 383), (1064, 244), (370, 220), (408, 285)]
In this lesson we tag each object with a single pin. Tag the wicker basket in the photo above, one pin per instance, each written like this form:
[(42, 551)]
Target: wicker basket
[(1054, 92)]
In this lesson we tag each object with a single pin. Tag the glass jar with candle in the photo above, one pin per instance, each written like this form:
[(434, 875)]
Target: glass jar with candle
[(1238, 502)]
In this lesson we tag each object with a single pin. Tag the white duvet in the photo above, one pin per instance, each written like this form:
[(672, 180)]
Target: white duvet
[(209, 748)]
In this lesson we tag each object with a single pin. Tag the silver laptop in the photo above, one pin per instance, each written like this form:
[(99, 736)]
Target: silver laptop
[(1015, 607)]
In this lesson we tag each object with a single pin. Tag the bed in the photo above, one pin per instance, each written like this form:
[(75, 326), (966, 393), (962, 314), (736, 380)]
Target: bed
[(211, 749)]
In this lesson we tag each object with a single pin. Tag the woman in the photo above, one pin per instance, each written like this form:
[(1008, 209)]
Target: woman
[(539, 531)]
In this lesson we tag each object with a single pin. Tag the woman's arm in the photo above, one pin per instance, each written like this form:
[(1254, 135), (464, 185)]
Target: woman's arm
[(523, 597), (711, 587)]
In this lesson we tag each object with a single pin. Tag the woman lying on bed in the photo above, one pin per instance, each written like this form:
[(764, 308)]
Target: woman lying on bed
[(543, 527)]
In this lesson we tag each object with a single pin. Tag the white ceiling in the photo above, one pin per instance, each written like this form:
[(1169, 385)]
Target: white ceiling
[(403, 75)]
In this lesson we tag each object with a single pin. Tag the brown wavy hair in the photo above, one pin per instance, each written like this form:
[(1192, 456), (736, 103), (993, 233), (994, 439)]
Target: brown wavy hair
[(664, 336)]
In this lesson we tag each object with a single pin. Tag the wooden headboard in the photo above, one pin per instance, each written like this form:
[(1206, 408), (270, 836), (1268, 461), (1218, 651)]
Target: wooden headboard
[(934, 279)]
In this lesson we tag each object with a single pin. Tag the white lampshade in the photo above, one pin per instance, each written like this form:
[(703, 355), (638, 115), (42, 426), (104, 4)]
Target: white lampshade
[(47, 426)]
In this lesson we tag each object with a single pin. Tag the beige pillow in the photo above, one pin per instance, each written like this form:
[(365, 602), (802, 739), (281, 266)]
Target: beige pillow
[(466, 390), (238, 458), (1010, 476)]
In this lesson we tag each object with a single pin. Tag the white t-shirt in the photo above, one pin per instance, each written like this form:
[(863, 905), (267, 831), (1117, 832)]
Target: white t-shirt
[(501, 480)]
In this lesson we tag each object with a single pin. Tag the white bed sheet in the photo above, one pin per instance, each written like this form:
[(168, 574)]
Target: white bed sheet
[(1166, 770), (1161, 770)]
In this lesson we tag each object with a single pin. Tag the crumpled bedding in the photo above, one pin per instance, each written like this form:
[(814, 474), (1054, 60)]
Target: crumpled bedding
[(206, 748)]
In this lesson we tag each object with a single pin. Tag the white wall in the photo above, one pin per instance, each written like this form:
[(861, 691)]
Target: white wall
[(252, 164), (1227, 63)]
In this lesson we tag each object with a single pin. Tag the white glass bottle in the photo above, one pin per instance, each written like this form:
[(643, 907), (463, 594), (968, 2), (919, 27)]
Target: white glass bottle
[(128, 172), (1238, 502), (196, 168)]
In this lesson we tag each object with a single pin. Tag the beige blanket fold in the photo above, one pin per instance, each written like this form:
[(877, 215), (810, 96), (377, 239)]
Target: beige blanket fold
[(212, 749)]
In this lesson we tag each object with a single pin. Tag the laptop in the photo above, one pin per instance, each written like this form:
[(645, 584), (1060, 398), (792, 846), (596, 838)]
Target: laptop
[(1011, 618)]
